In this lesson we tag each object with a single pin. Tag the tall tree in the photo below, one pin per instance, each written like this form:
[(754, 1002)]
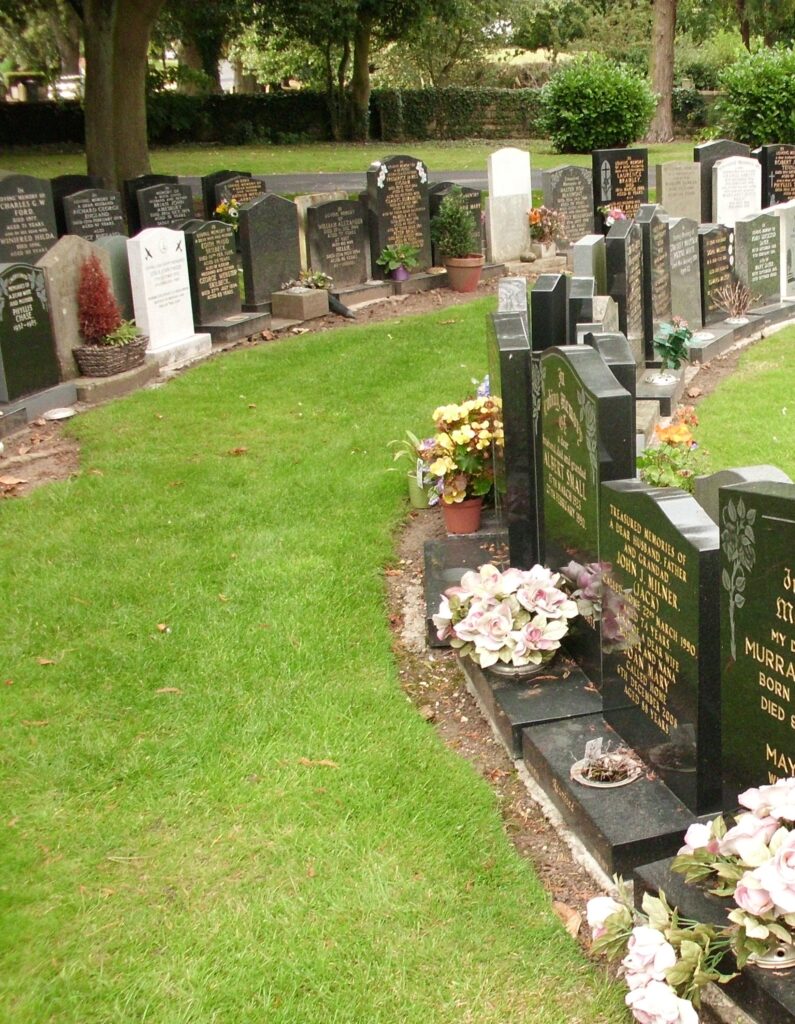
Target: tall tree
[(661, 67), (203, 31)]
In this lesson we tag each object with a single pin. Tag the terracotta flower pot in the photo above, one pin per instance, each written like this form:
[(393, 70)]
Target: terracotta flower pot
[(463, 274), (462, 516)]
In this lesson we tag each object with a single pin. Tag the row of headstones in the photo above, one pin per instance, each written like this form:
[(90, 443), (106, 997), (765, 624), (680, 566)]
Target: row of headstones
[(688, 602)]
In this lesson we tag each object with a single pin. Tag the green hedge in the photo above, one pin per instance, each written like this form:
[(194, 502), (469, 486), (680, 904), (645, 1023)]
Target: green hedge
[(453, 113), (32, 124)]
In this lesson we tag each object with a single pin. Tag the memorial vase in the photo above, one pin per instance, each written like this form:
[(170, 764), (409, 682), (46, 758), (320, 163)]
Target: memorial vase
[(519, 673)]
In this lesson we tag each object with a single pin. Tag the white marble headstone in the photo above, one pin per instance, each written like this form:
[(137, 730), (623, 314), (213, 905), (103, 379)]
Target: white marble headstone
[(507, 225), (160, 286), (736, 189), (786, 215)]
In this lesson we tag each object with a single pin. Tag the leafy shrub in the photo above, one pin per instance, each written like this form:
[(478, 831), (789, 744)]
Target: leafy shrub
[(758, 102), (595, 103), (689, 108)]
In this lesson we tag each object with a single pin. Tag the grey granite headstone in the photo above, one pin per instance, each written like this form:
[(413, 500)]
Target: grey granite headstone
[(582, 292), (685, 267), (164, 206), (716, 247), (656, 273), (27, 353), (116, 248), (397, 208), (589, 259), (212, 269), (66, 185), (269, 248), (679, 189), (625, 281), (208, 183), (512, 295), (706, 155), (27, 218), (302, 204), (62, 266), (604, 320), (94, 212), (336, 236), (757, 257), (569, 190), (130, 190), (707, 488), (242, 188)]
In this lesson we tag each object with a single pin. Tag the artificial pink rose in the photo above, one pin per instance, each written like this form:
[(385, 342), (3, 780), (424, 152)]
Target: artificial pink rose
[(700, 837), (778, 876), (483, 583), (657, 1003), (548, 600), (751, 798), (776, 801), (495, 625), (648, 953), (597, 912), (511, 581), (751, 896), (748, 839), (538, 635), (443, 620), (468, 629)]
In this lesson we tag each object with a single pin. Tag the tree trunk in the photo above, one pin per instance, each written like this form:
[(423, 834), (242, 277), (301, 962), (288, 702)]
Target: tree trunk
[(662, 69), (116, 40), (189, 57), (360, 79), (745, 26), (245, 83), (66, 29)]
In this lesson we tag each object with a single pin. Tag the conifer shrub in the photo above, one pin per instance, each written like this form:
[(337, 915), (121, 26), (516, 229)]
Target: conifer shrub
[(595, 103), (98, 312)]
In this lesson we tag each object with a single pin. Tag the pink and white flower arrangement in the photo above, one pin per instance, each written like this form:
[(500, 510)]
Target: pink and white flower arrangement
[(517, 617)]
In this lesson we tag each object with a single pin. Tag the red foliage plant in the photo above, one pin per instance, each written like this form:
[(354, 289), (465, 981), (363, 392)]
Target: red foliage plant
[(97, 309)]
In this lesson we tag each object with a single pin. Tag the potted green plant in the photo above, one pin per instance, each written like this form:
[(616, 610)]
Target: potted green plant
[(399, 260), (112, 344), (671, 345), (453, 231), (420, 481)]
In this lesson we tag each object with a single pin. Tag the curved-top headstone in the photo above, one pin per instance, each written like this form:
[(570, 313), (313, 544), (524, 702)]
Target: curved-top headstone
[(397, 207), (27, 218), (27, 354), (66, 185), (778, 173), (269, 249), (94, 212), (706, 155), (337, 241)]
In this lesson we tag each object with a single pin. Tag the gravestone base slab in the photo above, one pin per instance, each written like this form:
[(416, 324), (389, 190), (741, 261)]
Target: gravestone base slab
[(236, 327), (93, 390), (667, 395), (621, 827), (306, 305), (34, 405), (647, 416), (447, 560), (711, 341), (180, 353), (420, 282), (370, 291), (256, 307), (561, 691), (766, 995)]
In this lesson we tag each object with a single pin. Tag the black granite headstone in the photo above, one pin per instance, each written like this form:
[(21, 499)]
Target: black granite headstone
[(243, 188), (208, 184), (586, 431), (548, 308), (685, 266), (472, 199), (270, 252), (757, 257), (397, 207), (512, 379), (337, 241), (617, 354), (27, 218), (757, 631), (706, 155), (625, 275), (28, 361), (66, 185), (212, 269), (130, 189), (94, 212), (164, 206), (656, 273), (716, 248), (660, 687), (778, 173), (620, 178), (569, 190)]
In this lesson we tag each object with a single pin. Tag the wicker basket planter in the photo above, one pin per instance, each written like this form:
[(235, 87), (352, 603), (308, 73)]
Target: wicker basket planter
[(105, 360)]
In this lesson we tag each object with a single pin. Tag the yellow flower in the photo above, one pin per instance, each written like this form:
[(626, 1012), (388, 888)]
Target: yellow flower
[(441, 466), (462, 435), (445, 442)]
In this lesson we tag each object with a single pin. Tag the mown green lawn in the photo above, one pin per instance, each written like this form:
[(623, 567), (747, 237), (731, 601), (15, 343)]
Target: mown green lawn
[(322, 157), (217, 805)]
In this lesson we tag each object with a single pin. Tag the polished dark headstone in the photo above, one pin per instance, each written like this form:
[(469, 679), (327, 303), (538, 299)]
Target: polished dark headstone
[(242, 188), (589, 259), (617, 354), (446, 561), (569, 190), (94, 212), (208, 184), (336, 237), (130, 189), (766, 995), (28, 361), (212, 269), (706, 489), (561, 691), (716, 249), (656, 273), (165, 206), (757, 257), (661, 687), (27, 218), (516, 466), (620, 178), (684, 263), (757, 631), (66, 185), (582, 292), (778, 173), (548, 309), (622, 827), (269, 248), (706, 155), (472, 199), (587, 438), (397, 208), (625, 274)]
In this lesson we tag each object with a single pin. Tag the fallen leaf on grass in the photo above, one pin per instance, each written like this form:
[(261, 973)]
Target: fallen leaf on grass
[(23, 449), (310, 871), (694, 392), (36, 723), (299, 330), (223, 597), (169, 689), (237, 451), (322, 763), (268, 335), (444, 323), (11, 481), (96, 472), (252, 405), (571, 919), (163, 628), (45, 661), (8, 682), (393, 572)]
